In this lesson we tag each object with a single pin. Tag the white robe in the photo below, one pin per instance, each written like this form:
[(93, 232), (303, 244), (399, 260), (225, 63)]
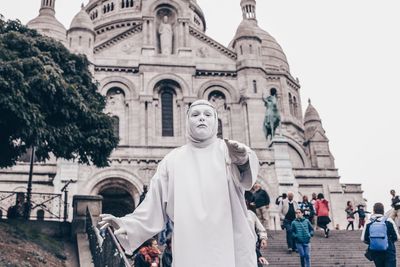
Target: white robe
[(203, 195)]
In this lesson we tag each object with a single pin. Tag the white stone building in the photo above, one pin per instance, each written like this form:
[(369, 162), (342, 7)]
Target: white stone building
[(152, 59)]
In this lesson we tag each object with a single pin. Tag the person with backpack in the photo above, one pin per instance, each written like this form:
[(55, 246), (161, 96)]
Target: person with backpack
[(380, 233)]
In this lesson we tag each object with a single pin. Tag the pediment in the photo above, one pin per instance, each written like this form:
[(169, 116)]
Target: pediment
[(118, 39), (205, 47), (129, 48)]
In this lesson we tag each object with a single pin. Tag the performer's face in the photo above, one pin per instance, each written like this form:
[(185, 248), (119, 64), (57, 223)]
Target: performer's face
[(202, 122)]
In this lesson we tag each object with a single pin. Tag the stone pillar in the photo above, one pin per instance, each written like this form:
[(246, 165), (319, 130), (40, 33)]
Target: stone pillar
[(183, 38), (283, 166), (149, 46), (80, 203)]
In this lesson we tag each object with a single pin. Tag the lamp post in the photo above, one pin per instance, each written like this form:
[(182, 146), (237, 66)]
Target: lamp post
[(28, 205)]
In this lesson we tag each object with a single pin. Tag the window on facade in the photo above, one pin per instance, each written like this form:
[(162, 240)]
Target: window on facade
[(115, 124), (255, 86), (251, 49), (219, 132), (291, 103), (217, 99), (241, 50), (273, 91), (167, 113), (294, 106)]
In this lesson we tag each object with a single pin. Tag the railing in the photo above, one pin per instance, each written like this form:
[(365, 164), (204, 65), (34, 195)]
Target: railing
[(105, 249), (43, 205)]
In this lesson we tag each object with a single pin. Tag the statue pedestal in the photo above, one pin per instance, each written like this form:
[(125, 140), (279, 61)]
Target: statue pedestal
[(283, 165)]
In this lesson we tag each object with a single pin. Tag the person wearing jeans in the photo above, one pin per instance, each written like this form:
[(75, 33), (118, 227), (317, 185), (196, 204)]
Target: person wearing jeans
[(302, 231)]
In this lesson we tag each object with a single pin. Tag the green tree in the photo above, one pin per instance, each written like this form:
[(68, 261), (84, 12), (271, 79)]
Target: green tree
[(48, 100)]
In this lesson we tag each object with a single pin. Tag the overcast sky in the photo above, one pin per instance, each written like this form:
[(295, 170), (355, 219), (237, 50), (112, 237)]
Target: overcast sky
[(346, 55)]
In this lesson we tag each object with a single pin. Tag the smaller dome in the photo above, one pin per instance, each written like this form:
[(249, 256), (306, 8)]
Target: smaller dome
[(247, 28), (47, 24), (82, 21), (311, 114)]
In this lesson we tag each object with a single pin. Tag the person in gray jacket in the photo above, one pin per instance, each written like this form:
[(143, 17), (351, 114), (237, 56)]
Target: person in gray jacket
[(287, 211)]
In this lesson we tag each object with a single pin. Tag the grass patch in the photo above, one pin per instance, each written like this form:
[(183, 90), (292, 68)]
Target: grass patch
[(22, 230)]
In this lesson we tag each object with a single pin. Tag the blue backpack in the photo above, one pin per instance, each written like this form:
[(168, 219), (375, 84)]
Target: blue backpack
[(378, 235)]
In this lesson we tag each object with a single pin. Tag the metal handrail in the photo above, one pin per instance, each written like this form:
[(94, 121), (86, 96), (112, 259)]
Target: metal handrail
[(105, 249)]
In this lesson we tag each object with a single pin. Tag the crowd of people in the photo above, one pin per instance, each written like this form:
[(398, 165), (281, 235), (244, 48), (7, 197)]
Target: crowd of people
[(299, 220)]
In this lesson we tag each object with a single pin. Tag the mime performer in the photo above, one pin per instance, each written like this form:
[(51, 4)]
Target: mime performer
[(200, 188)]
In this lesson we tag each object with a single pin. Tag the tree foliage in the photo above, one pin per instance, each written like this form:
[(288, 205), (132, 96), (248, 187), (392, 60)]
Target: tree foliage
[(48, 100)]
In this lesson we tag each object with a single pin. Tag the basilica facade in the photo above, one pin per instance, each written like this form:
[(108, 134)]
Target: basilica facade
[(152, 59)]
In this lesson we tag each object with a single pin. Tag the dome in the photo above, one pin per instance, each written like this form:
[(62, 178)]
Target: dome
[(272, 53), (311, 114), (82, 21), (47, 24)]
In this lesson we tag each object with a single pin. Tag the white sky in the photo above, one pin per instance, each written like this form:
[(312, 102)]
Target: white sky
[(346, 55)]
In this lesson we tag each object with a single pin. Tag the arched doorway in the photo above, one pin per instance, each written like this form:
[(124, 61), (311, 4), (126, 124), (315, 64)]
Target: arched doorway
[(117, 201)]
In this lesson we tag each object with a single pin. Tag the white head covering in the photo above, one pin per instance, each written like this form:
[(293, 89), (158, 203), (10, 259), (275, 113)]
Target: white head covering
[(191, 135)]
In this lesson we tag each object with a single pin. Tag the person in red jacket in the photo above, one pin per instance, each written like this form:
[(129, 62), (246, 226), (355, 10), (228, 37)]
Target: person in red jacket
[(322, 211)]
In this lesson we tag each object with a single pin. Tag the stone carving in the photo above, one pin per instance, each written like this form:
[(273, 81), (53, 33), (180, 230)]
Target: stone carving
[(129, 48), (203, 52), (166, 35), (272, 116)]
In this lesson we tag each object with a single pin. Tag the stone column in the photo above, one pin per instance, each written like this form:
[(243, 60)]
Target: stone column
[(283, 166), (183, 42), (149, 46), (80, 203)]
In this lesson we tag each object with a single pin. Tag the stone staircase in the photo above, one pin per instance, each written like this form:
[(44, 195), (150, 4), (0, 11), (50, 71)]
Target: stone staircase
[(342, 248)]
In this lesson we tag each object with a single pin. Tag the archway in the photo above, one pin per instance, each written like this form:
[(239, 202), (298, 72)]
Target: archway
[(117, 201)]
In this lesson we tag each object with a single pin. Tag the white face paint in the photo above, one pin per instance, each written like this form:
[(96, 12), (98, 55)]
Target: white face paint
[(202, 122)]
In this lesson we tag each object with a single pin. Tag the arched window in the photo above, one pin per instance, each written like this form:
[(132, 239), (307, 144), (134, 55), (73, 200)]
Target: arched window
[(273, 92), (255, 86), (219, 132), (112, 6), (167, 113), (241, 50), (131, 3)]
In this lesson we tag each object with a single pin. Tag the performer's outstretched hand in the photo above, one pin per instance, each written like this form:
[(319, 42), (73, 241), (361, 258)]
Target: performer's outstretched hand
[(111, 220), (237, 152)]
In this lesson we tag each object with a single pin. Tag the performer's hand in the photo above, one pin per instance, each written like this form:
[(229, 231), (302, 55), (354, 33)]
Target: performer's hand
[(110, 220), (263, 261), (237, 152), (263, 243)]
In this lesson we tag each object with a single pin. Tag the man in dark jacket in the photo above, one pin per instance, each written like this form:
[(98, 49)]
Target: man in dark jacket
[(261, 200), (385, 258), (396, 207)]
